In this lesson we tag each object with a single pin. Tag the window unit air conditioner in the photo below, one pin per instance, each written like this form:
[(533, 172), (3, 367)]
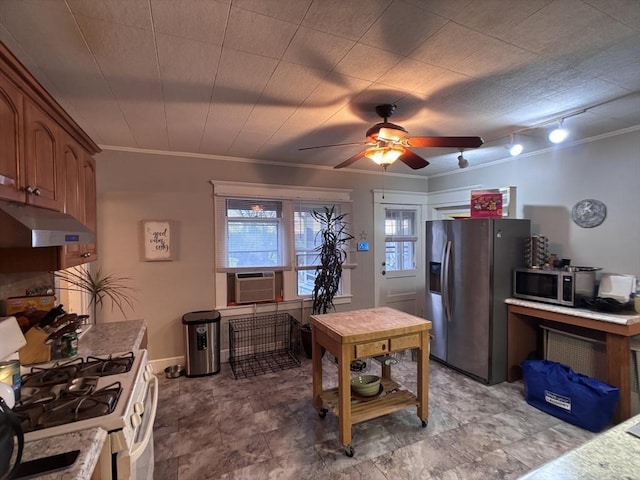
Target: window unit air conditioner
[(255, 287)]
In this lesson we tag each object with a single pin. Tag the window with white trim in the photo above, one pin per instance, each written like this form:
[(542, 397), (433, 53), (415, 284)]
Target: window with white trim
[(307, 241), (257, 233), (254, 233)]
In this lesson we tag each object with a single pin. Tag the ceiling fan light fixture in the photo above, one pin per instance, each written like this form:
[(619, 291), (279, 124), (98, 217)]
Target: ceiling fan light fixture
[(388, 142), (384, 156), (391, 134), (558, 134)]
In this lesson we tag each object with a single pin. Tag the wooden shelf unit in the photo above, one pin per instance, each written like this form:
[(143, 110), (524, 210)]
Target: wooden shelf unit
[(390, 400)]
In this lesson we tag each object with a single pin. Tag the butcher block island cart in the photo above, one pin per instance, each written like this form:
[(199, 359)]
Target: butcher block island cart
[(368, 333)]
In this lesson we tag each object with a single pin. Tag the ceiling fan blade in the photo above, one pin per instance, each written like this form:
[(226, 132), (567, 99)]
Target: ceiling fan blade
[(454, 142), (334, 145), (350, 160), (412, 160)]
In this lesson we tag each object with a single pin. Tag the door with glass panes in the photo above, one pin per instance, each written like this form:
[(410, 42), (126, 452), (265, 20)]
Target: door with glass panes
[(399, 258)]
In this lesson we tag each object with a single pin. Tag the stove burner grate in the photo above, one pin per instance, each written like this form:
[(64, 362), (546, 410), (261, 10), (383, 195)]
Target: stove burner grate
[(103, 367), (90, 367), (68, 392), (69, 406), (45, 377)]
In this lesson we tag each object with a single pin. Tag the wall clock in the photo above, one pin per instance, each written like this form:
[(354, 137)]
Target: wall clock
[(589, 213)]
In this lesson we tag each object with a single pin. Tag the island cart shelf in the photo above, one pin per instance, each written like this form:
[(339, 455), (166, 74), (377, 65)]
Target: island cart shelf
[(390, 400), (368, 333)]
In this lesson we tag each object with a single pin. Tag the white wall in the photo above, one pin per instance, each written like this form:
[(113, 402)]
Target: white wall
[(135, 186), (549, 184)]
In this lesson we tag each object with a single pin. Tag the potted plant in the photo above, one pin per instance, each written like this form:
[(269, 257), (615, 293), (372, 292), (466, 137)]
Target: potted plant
[(331, 255), (99, 287)]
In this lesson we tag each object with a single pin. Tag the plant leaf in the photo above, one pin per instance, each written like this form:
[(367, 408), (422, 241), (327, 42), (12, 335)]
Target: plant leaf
[(99, 287)]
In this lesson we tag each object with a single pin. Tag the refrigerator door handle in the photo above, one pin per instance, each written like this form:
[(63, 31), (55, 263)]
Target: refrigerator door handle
[(445, 281)]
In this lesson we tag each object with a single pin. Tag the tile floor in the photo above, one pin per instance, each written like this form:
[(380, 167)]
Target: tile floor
[(264, 427)]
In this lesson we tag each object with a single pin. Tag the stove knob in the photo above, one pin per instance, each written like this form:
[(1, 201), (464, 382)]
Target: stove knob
[(138, 407), (136, 420)]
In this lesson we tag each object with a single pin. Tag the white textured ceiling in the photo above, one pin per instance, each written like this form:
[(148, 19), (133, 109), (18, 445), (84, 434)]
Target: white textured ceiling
[(260, 79)]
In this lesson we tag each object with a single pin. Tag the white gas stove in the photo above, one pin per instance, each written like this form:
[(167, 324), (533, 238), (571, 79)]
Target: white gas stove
[(117, 393)]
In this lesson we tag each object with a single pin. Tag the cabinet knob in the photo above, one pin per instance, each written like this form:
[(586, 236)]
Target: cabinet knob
[(86, 255), (32, 190)]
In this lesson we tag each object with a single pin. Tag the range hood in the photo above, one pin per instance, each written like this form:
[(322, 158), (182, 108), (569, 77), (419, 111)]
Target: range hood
[(28, 226)]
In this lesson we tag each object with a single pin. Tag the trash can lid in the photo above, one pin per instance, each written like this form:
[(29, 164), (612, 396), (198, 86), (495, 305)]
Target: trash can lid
[(202, 316)]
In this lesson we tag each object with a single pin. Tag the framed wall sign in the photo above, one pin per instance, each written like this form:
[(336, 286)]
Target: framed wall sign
[(156, 240)]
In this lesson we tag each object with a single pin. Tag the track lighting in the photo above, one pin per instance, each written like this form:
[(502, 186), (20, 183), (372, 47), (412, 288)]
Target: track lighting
[(462, 162), (514, 148), (559, 134)]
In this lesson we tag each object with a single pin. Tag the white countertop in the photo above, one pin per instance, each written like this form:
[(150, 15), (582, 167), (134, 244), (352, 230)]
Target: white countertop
[(612, 455), (106, 338), (89, 442), (624, 319)]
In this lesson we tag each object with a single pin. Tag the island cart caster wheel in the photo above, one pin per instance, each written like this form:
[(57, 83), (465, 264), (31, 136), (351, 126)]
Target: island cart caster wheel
[(425, 423), (322, 412), (348, 451)]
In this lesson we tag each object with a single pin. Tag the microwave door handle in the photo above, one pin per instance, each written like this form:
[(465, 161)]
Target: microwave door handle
[(446, 300), (140, 447)]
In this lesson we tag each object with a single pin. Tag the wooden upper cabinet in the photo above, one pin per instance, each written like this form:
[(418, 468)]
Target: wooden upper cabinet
[(44, 182), (30, 167), (71, 157), (11, 142), (90, 250), (79, 199), (46, 161)]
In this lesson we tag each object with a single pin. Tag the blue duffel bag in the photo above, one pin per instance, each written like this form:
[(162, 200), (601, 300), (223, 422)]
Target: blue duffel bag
[(557, 390)]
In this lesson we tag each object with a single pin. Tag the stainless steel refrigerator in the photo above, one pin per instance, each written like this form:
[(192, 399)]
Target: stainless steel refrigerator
[(469, 269)]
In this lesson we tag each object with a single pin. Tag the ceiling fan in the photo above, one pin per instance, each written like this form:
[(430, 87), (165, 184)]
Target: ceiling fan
[(387, 142)]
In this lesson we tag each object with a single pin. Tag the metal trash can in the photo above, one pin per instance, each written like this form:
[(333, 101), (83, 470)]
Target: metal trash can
[(202, 342)]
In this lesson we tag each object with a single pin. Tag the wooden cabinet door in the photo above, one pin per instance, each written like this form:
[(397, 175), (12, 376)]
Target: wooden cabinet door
[(44, 181), (10, 141), (89, 200), (79, 199), (71, 155)]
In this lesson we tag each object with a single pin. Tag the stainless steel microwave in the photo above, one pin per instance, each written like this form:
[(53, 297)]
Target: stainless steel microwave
[(557, 286)]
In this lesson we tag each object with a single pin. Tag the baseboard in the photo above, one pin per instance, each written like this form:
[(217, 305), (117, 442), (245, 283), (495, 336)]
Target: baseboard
[(160, 364)]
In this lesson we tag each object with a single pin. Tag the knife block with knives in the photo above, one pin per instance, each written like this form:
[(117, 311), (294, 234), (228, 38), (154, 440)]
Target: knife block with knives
[(44, 340)]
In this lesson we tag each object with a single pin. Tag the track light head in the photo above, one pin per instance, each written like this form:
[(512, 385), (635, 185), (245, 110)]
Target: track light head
[(462, 162), (558, 134), (514, 148)]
